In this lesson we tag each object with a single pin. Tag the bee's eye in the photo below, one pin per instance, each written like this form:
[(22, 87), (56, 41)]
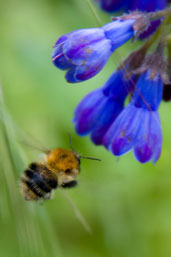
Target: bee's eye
[(68, 171)]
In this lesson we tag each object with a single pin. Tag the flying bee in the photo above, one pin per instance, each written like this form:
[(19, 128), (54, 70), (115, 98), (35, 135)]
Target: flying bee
[(59, 169)]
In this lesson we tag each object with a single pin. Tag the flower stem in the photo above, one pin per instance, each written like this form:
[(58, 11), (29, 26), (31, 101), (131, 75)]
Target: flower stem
[(160, 14)]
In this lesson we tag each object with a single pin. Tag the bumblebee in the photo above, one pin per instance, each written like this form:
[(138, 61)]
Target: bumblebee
[(59, 169)]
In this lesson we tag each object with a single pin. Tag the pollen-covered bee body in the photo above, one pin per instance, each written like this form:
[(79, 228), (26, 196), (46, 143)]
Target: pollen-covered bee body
[(59, 169)]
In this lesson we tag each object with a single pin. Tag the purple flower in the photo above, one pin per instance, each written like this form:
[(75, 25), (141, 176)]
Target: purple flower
[(145, 5), (113, 5), (138, 126), (83, 53), (98, 110)]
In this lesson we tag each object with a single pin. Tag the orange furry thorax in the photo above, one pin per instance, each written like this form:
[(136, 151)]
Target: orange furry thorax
[(61, 159)]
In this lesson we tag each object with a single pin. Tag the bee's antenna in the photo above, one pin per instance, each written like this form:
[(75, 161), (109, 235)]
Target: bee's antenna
[(70, 142), (80, 157), (90, 158)]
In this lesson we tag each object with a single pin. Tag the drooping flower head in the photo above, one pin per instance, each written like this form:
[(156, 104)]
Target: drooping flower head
[(138, 126), (83, 53)]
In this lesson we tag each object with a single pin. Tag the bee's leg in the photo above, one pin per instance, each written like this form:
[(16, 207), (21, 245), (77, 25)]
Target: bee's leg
[(53, 183), (69, 184)]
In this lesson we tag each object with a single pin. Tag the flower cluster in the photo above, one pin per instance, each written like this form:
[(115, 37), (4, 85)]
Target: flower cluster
[(128, 132), (137, 126), (141, 78)]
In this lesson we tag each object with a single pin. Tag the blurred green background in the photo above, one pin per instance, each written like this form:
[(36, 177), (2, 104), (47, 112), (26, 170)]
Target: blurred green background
[(126, 205)]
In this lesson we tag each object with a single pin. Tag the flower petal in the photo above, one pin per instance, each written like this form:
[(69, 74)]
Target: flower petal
[(119, 32), (78, 46), (118, 86), (70, 75), (59, 59), (88, 112), (142, 150), (122, 134), (148, 92), (95, 61), (107, 117), (148, 145)]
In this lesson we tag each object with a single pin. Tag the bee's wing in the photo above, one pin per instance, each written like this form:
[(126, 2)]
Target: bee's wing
[(34, 145)]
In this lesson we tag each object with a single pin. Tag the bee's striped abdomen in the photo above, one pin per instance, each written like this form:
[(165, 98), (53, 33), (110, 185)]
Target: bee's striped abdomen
[(37, 182)]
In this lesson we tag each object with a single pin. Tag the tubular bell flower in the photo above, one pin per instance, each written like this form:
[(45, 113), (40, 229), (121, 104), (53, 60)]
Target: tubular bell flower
[(97, 111), (138, 126), (83, 53)]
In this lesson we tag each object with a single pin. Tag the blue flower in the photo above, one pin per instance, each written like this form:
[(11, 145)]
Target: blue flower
[(131, 5), (138, 126), (98, 110), (148, 6), (113, 5), (83, 53)]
